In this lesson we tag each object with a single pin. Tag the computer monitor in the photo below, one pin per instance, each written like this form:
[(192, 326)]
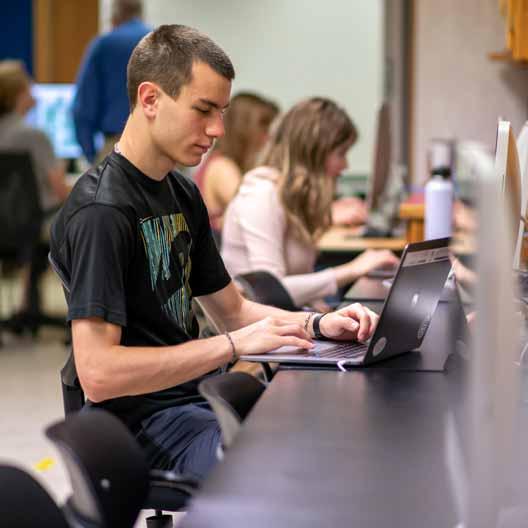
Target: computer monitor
[(52, 113), (481, 425), (382, 158), (509, 174), (494, 376), (522, 150)]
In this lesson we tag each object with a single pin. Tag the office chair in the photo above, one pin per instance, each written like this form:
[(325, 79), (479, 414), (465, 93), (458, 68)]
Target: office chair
[(263, 287), (167, 490), (110, 477), (25, 503), (21, 219), (231, 396), (20, 213)]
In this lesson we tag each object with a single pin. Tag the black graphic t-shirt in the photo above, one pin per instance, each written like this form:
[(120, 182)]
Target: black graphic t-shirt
[(134, 252)]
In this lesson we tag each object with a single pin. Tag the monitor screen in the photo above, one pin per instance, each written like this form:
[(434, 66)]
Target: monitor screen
[(509, 174), (382, 157), (52, 113)]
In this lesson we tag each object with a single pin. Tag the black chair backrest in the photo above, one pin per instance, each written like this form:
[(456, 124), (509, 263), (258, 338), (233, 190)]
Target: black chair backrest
[(20, 211), (107, 468), (265, 288), (72, 394), (25, 503), (73, 398), (231, 396)]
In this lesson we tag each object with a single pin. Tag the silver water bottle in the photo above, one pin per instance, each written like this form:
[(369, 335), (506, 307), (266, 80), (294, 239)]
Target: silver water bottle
[(439, 195)]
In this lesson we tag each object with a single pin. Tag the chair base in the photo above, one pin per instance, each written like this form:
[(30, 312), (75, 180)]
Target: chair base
[(160, 520)]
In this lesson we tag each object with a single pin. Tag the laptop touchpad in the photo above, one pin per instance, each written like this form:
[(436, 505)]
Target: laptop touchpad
[(319, 346)]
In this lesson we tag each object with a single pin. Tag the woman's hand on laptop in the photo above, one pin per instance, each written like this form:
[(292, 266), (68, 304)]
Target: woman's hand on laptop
[(349, 211), (363, 264), (372, 259), (465, 276), (351, 322)]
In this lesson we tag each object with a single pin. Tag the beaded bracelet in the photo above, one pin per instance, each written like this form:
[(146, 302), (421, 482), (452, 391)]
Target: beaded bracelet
[(234, 356), (307, 321)]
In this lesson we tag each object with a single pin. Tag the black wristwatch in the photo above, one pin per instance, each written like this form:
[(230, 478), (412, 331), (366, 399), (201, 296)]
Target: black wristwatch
[(316, 328)]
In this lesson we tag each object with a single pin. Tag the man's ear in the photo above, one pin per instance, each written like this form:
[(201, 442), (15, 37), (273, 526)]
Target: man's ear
[(148, 98)]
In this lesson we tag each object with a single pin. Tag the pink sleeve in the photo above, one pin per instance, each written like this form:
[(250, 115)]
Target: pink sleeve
[(263, 224)]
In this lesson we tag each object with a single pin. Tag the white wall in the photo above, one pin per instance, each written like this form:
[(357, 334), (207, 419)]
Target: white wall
[(459, 92), (290, 49)]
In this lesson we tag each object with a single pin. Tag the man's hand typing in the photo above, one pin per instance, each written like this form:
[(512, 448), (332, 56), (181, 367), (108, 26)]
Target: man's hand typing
[(268, 334), (352, 322)]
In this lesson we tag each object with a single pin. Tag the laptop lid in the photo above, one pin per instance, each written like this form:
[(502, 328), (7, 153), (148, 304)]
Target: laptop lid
[(412, 300)]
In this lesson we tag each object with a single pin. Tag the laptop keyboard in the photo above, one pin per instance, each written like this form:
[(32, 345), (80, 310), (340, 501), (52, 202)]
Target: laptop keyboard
[(343, 351)]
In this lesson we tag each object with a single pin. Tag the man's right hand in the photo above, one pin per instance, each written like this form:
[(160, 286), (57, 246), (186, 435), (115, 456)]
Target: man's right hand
[(268, 334)]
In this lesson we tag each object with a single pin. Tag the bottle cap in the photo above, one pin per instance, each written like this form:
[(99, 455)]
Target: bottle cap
[(442, 170)]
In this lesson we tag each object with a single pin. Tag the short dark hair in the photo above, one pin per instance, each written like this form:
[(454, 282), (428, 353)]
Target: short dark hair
[(124, 10), (166, 56)]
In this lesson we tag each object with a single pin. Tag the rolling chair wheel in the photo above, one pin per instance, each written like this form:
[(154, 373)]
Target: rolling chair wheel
[(159, 520)]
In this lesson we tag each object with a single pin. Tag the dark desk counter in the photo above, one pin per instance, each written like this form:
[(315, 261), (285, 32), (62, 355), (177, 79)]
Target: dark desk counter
[(363, 448)]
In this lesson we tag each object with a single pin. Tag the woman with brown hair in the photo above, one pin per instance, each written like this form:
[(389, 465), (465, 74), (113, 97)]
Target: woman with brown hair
[(247, 123), (284, 206)]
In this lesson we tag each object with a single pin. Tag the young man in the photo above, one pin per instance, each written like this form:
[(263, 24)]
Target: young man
[(134, 242)]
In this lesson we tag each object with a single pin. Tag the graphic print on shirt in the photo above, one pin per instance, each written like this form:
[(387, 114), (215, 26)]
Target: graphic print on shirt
[(167, 241)]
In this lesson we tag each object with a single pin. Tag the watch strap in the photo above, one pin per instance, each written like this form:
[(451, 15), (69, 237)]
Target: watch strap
[(316, 326)]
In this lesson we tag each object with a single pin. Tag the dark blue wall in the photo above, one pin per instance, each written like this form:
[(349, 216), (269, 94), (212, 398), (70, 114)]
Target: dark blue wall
[(16, 32)]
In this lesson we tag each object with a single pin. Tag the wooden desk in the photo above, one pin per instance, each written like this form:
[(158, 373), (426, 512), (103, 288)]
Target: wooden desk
[(346, 239), (364, 448), (340, 239)]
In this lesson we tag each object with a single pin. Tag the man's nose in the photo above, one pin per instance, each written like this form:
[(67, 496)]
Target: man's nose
[(216, 128)]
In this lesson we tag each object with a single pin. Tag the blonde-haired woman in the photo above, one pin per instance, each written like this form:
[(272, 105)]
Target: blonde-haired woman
[(247, 123), (284, 206)]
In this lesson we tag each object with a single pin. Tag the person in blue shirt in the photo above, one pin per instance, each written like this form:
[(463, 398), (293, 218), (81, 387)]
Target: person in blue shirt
[(101, 101)]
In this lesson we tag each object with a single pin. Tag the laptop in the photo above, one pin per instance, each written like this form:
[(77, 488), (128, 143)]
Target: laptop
[(406, 315)]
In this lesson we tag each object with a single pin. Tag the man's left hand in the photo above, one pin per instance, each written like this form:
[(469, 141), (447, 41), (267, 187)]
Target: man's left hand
[(351, 322)]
